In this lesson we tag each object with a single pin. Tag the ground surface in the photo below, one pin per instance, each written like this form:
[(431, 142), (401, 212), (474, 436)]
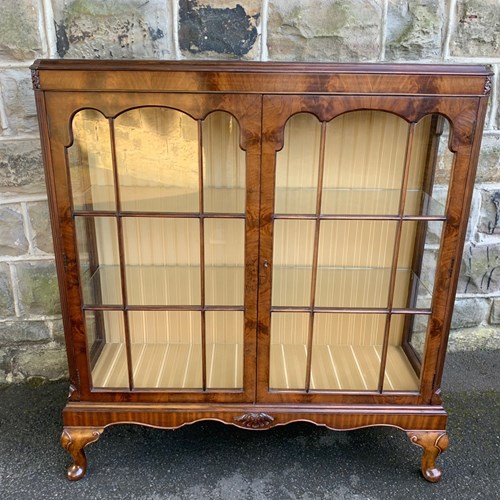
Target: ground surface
[(214, 461)]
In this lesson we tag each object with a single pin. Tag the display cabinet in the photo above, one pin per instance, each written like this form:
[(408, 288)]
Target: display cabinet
[(258, 243)]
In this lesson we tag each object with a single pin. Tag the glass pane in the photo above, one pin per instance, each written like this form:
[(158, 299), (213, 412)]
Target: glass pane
[(362, 201), (107, 353), (346, 351), (417, 263), (224, 261), (416, 332), (364, 163), (157, 160), (354, 263), (99, 260), (224, 164), (297, 166), (292, 262), (90, 163), (162, 261), (166, 349), (224, 337), (288, 350), (369, 288), (430, 168), (406, 340), (445, 156)]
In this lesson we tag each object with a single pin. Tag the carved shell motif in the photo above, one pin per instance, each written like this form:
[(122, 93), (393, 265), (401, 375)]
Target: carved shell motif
[(254, 420)]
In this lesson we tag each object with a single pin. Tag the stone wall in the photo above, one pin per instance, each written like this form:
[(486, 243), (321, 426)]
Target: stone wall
[(461, 31)]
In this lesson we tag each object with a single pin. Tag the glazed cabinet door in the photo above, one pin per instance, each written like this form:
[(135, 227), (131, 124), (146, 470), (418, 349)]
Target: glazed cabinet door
[(358, 242), (157, 195)]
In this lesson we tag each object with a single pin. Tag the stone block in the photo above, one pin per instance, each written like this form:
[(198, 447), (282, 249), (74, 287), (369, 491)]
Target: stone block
[(434, 232), (445, 158), (477, 29), (48, 363), (40, 223), (480, 270), (428, 270), (469, 313), (5, 366), (58, 331), (497, 118), (489, 214), (21, 168), (414, 29), (495, 312), (219, 28), (327, 30), (18, 101), (12, 237), (19, 35), (472, 339), (18, 332), (435, 229), (488, 169), (100, 29), (38, 289), (475, 209), (6, 294)]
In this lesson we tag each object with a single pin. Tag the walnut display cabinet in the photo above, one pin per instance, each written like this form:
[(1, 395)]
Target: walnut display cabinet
[(258, 243)]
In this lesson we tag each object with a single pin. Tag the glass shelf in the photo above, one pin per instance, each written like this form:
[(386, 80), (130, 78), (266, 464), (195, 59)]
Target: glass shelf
[(162, 199), (169, 199), (180, 285), (167, 285), (363, 202), (348, 288)]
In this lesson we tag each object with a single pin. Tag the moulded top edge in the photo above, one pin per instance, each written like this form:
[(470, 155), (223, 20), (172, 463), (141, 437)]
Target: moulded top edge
[(264, 67)]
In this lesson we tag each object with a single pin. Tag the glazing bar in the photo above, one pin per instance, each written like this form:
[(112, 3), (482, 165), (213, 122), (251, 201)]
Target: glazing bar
[(314, 271), (121, 252), (395, 255)]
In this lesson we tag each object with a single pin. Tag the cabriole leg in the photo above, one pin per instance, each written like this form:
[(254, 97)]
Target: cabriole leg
[(74, 440), (433, 443)]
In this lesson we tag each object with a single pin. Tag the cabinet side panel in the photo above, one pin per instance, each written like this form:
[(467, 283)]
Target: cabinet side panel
[(460, 198), (57, 240)]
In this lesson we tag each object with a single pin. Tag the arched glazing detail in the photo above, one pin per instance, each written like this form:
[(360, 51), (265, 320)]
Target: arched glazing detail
[(355, 249), (157, 160), (90, 162), (223, 164), (159, 203)]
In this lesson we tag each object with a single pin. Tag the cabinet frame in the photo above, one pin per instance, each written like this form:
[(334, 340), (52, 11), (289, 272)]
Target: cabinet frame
[(262, 96)]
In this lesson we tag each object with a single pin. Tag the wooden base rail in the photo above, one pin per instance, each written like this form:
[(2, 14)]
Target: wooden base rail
[(84, 423)]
